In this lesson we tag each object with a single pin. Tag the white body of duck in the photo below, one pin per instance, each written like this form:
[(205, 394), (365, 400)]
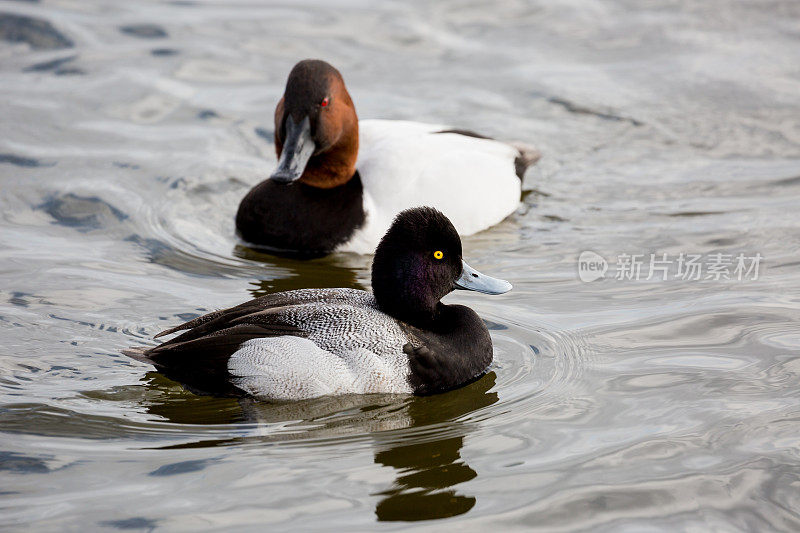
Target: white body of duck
[(405, 164)]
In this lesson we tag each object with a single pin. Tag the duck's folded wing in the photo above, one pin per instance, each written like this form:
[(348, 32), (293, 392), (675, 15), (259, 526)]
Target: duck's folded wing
[(201, 362), (218, 320), (214, 320)]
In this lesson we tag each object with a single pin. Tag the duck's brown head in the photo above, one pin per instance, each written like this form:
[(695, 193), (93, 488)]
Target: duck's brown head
[(316, 128)]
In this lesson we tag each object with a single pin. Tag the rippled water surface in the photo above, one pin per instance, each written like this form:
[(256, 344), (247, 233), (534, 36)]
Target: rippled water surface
[(129, 131)]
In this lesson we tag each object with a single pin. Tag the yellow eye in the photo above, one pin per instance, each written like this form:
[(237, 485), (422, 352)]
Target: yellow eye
[(438, 254)]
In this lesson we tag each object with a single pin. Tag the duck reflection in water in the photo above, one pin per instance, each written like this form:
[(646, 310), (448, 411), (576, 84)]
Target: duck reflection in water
[(293, 273), (428, 468)]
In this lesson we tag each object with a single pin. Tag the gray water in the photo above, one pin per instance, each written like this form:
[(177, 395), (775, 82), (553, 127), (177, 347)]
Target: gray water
[(130, 130)]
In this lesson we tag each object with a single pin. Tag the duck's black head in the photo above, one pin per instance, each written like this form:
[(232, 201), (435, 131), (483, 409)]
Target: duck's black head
[(418, 262)]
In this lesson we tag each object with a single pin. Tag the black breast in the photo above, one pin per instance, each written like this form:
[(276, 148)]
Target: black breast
[(451, 353), (300, 219)]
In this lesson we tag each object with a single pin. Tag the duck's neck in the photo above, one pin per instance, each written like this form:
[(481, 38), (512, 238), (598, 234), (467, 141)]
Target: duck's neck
[(418, 308), (329, 170), (427, 319), (336, 165)]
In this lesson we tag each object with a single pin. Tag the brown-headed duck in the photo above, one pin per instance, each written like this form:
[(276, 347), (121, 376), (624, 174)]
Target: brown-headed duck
[(341, 181)]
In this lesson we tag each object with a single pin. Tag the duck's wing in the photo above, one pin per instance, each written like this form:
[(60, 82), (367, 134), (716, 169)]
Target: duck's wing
[(199, 357), (201, 363), (472, 179), (346, 348), (291, 346), (219, 320)]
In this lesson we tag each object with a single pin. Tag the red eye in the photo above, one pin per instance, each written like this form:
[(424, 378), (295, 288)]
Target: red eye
[(324, 102)]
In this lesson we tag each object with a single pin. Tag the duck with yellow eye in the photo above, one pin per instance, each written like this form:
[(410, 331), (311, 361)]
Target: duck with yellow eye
[(312, 342)]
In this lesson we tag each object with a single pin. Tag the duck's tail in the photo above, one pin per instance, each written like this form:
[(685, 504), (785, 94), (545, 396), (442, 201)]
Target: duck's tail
[(139, 353), (528, 156)]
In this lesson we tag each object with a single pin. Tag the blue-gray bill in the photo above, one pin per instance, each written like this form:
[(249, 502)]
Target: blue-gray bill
[(298, 148), (472, 280)]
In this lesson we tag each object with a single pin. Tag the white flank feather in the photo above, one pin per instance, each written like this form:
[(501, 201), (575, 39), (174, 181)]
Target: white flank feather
[(407, 164), (351, 348)]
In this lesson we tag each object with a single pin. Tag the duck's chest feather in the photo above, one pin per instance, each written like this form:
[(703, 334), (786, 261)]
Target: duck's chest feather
[(298, 217), (454, 351)]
